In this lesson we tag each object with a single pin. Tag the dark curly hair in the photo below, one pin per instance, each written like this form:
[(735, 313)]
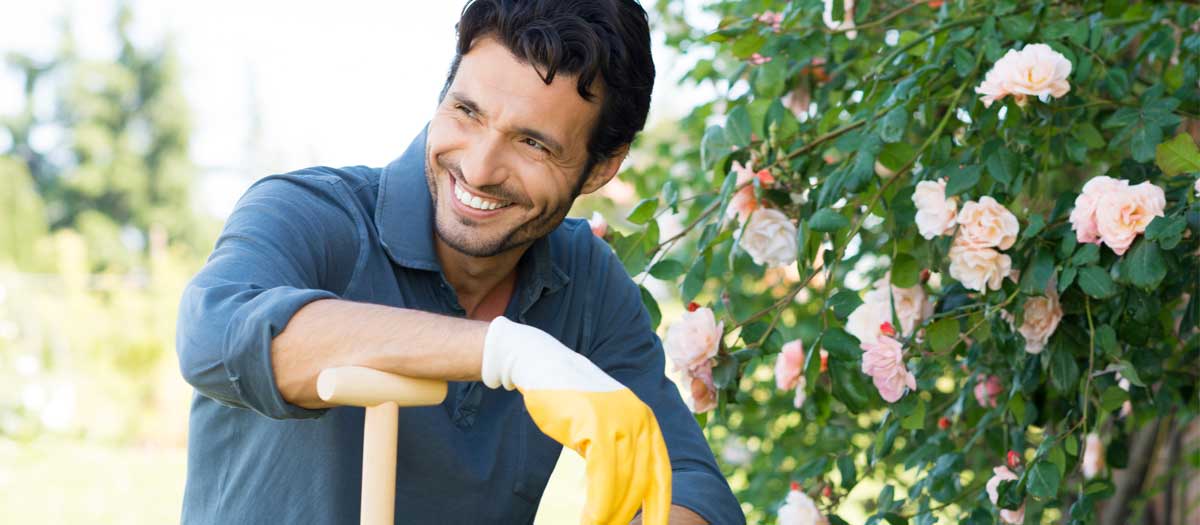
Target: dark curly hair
[(605, 40)]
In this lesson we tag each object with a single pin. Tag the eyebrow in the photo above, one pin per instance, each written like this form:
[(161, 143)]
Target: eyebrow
[(554, 146)]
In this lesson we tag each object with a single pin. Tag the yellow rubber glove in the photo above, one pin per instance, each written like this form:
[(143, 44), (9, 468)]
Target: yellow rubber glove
[(577, 404)]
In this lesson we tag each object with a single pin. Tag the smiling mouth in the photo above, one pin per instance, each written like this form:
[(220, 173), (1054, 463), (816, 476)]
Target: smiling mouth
[(476, 202)]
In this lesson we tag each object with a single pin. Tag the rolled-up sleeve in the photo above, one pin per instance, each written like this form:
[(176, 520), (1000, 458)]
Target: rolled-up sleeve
[(290, 240), (627, 348)]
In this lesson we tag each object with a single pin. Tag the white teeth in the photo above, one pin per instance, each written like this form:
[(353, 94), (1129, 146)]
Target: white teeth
[(474, 201)]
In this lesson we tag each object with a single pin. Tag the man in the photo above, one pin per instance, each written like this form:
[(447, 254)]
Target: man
[(454, 262)]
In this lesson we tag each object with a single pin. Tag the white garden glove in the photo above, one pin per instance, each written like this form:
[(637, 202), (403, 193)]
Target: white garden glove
[(577, 404)]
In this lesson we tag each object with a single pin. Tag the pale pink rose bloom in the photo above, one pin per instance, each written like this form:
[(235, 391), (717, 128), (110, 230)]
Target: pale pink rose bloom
[(987, 224), (988, 390), (598, 224), (936, 214), (800, 510), (865, 320), (911, 304), (1036, 70), (1122, 216), (789, 364), (699, 383), (693, 339), (978, 269), (1014, 517), (1093, 456), (883, 360), (1042, 314), (1083, 215), (743, 203), (770, 238)]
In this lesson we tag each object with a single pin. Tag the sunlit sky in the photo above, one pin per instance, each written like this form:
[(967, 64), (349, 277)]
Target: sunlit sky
[(334, 84)]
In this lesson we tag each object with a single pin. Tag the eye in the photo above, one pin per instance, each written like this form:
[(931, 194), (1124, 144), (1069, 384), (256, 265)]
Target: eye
[(465, 110), (534, 144)]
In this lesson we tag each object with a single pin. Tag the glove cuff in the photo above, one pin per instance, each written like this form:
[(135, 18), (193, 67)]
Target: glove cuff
[(498, 354)]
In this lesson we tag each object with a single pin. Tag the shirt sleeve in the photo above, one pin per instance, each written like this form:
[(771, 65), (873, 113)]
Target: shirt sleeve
[(627, 348), (290, 240)]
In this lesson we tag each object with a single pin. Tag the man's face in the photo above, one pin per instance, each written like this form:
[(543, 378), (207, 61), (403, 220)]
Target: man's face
[(510, 146)]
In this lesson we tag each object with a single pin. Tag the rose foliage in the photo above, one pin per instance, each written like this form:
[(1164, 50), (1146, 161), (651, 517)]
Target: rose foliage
[(942, 256)]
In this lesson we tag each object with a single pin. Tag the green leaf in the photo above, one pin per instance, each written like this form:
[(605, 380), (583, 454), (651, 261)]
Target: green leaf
[(1144, 265), (1089, 135), (906, 271), (714, 146), (1067, 277), (1016, 405), (725, 371), (844, 302), (771, 79), (1145, 139), (644, 211), (1043, 480), (667, 269), (827, 220), (962, 179), (1002, 165), (895, 155), (1129, 372), (840, 344), (895, 122), (1112, 398), (737, 127), (1038, 273), (748, 44), (916, 419), (1166, 231), (1106, 340), (1095, 282), (845, 465), (1036, 223), (1086, 254), (651, 307), (1178, 155), (1064, 371), (943, 334), (694, 281)]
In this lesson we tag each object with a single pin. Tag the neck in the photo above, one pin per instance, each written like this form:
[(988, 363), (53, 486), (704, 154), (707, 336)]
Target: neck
[(474, 277)]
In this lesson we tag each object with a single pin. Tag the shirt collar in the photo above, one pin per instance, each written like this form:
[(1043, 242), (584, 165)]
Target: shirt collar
[(404, 219)]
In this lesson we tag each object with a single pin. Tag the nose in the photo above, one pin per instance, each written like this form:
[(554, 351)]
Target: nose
[(483, 164)]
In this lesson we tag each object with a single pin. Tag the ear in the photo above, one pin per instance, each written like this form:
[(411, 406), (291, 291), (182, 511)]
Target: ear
[(604, 171)]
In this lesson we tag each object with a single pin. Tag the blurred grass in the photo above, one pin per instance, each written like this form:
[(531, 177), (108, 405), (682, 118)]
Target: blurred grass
[(54, 481)]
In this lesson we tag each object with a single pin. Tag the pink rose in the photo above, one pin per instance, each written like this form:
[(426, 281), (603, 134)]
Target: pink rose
[(800, 510), (758, 60), (770, 18), (770, 238), (1014, 517), (1036, 70), (978, 269), (987, 224), (1111, 211), (936, 214), (1093, 456), (1042, 315), (1122, 216), (789, 366), (1083, 215), (743, 203), (883, 360), (988, 390), (598, 224), (694, 339), (911, 304), (699, 383)]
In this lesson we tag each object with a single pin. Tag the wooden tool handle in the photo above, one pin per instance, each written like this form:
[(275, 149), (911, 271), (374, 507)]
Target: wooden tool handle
[(367, 387)]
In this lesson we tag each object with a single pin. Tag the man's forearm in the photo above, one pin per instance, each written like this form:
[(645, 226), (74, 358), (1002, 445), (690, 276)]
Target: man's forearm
[(412, 343)]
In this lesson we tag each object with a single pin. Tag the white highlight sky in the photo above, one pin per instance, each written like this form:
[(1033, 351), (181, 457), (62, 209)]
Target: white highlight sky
[(336, 85)]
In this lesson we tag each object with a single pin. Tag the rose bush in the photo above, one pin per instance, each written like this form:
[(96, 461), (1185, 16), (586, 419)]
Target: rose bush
[(977, 221)]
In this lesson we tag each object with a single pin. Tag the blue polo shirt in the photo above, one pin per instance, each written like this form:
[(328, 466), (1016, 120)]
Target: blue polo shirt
[(365, 234)]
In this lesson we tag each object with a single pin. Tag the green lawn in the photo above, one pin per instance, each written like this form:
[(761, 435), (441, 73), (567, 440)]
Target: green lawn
[(56, 481)]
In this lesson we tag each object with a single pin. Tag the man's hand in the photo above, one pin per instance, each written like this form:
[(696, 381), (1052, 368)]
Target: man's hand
[(577, 404)]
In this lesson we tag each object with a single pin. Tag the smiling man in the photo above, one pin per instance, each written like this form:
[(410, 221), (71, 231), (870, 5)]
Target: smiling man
[(453, 262)]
